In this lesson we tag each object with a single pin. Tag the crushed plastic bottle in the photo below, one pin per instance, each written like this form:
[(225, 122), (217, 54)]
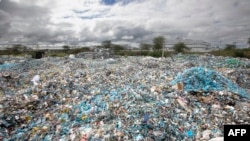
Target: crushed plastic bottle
[(35, 80)]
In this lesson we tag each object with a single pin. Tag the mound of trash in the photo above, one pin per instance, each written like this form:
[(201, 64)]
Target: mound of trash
[(202, 79), (126, 98)]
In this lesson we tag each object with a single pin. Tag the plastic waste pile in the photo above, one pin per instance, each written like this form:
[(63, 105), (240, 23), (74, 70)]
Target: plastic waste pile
[(117, 99), (233, 63), (201, 79), (209, 61)]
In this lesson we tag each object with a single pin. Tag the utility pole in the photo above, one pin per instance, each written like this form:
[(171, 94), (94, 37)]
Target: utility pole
[(163, 48), (162, 54), (37, 46)]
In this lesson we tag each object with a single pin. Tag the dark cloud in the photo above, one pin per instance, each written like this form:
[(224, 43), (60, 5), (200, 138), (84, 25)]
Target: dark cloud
[(22, 10), (23, 22), (4, 23), (114, 30), (137, 32)]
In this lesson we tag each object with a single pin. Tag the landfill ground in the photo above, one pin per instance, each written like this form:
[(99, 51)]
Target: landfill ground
[(183, 98)]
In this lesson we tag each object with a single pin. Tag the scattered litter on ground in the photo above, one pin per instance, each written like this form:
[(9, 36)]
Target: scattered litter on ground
[(128, 98)]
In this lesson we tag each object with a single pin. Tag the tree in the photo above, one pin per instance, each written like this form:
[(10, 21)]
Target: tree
[(107, 44), (239, 53), (117, 48), (230, 47), (66, 48), (180, 47), (17, 49), (158, 43), (144, 46)]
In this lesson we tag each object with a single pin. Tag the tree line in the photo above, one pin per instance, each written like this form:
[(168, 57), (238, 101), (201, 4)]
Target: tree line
[(156, 48), (158, 45)]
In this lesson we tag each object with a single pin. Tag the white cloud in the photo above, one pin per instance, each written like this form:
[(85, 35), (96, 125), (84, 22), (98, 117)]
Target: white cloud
[(131, 21), (127, 37)]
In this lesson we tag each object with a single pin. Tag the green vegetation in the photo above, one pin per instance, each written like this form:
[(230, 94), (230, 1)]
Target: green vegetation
[(230, 47), (143, 53), (236, 52), (243, 53), (117, 48), (239, 53), (145, 50), (180, 48), (158, 43), (58, 54), (17, 49), (66, 48), (107, 44), (63, 53), (144, 46), (78, 50), (20, 50)]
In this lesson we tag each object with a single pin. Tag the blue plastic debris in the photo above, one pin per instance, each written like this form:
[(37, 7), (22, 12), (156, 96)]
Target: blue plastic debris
[(190, 134), (233, 62), (7, 66), (202, 79), (146, 118)]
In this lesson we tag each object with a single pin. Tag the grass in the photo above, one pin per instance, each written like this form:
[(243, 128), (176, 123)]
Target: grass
[(54, 53), (243, 53), (58, 54), (143, 53)]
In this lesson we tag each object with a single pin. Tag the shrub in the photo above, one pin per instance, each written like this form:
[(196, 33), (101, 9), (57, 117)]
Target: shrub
[(239, 54), (180, 47), (155, 54), (230, 47)]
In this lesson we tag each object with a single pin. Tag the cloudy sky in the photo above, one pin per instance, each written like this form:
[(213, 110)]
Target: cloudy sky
[(123, 21)]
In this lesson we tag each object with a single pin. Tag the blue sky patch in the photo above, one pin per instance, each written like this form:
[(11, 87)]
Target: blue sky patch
[(112, 2), (109, 2)]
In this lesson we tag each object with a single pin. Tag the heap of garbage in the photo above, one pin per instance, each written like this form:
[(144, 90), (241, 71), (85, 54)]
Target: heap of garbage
[(201, 79), (126, 98)]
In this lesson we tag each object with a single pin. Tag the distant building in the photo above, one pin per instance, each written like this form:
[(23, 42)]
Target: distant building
[(194, 45), (98, 53)]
